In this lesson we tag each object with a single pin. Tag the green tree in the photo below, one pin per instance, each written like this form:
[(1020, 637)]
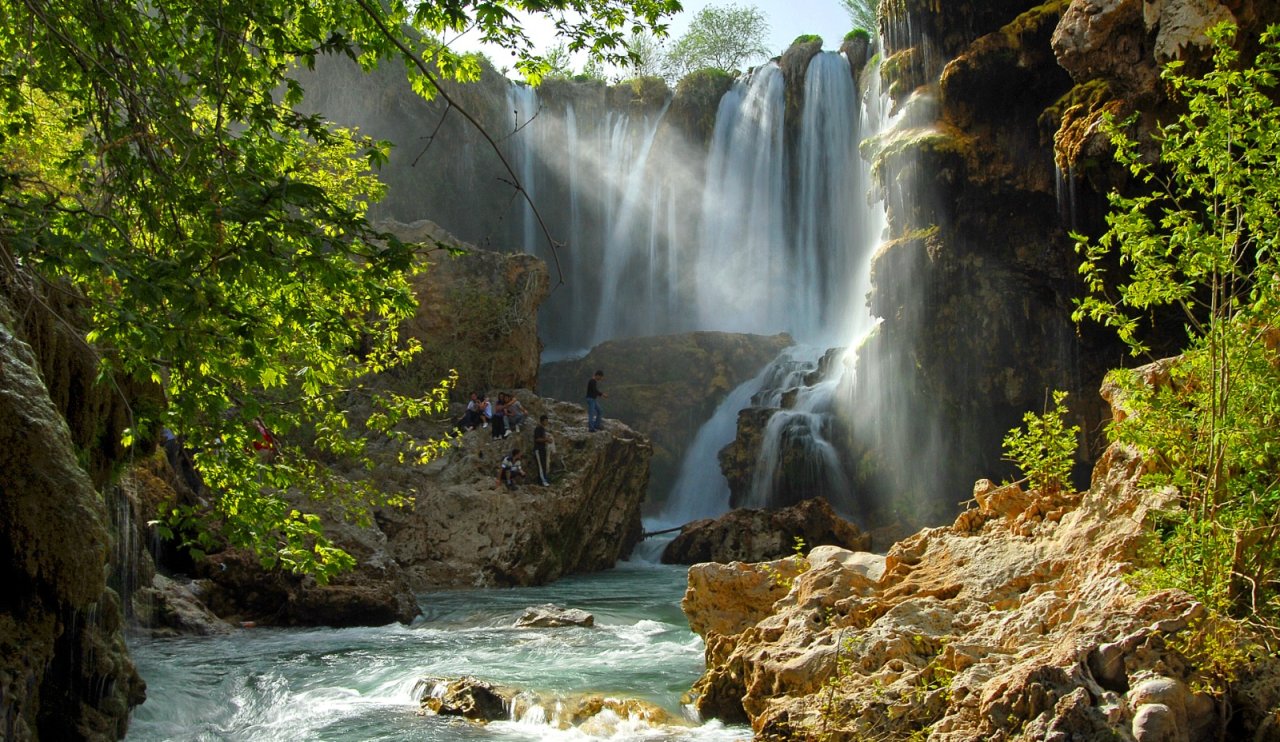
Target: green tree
[(647, 57), (723, 37), (864, 15), (151, 160), (1204, 241)]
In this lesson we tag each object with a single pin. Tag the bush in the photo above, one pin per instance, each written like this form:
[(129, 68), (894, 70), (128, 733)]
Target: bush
[(858, 34), (1045, 450)]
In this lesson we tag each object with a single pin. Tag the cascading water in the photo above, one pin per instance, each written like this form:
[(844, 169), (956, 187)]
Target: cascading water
[(602, 196), (806, 268), (742, 243)]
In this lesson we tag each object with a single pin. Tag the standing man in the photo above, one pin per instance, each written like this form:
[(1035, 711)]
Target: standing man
[(595, 417), (540, 439)]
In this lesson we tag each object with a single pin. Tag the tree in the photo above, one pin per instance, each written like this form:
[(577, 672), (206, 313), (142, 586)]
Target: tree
[(647, 58), (1204, 241), (863, 14), (721, 37), (151, 160)]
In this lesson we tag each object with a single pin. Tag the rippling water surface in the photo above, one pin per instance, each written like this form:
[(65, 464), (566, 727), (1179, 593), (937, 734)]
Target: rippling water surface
[(358, 684)]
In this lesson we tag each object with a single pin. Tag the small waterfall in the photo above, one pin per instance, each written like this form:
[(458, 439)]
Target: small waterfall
[(700, 490)]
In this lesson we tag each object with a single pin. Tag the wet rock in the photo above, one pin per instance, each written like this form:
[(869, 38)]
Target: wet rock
[(65, 672), (760, 535), (172, 607), (467, 697), (553, 616)]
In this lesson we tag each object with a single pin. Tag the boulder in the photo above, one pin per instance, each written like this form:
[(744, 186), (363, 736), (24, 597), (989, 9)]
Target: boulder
[(750, 535), (375, 593), (464, 529), (176, 607), (665, 387), (549, 616), (467, 697)]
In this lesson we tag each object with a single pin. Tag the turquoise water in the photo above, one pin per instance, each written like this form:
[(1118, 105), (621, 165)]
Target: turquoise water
[(359, 684)]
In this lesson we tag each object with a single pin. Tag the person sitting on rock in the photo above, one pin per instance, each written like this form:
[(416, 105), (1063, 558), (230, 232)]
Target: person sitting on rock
[(511, 471), (515, 413), (474, 416)]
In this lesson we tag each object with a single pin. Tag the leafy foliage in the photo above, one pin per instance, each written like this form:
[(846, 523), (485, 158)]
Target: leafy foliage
[(1045, 449), (151, 160), (724, 37), (1204, 242)]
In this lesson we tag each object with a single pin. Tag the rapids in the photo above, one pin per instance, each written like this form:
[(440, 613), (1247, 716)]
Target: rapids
[(358, 683)]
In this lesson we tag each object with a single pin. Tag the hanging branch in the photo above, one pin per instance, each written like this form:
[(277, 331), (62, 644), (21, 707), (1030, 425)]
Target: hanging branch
[(425, 69)]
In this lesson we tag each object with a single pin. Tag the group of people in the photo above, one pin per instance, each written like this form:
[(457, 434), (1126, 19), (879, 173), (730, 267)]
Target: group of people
[(505, 416)]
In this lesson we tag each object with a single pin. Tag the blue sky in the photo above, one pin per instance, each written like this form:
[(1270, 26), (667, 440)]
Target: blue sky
[(787, 20)]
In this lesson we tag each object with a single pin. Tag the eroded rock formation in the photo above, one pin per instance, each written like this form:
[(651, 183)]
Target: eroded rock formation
[(1015, 622), (750, 535), (64, 670), (477, 314)]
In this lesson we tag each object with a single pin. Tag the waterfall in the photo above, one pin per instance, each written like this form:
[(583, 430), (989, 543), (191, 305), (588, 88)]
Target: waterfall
[(523, 102), (700, 490), (738, 268), (829, 223), (626, 280)]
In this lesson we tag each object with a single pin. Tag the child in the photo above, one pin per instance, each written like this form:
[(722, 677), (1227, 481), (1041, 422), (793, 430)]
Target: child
[(511, 470)]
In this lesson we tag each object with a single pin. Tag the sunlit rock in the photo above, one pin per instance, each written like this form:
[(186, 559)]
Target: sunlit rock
[(548, 616)]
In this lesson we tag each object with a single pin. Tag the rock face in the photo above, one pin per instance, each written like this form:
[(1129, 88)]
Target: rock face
[(477, 314), (749, 535), (666, 387), (464, 529), (1015, 622), (64, 670)]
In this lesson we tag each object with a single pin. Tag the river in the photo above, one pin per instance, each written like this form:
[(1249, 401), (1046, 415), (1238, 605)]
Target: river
[(359, 683)]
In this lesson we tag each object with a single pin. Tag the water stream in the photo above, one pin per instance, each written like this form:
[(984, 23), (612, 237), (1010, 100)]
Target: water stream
[(358, 683)]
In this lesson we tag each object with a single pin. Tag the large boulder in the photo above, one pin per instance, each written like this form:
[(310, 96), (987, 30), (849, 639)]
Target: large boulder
[(751, 535), (65, 672), (465, 529), (665, 387)]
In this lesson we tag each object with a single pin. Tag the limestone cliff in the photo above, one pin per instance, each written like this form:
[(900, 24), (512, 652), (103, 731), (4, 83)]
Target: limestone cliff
[(477, 314), (665, 387), (995, 156), (64, 669), (1016, 622)]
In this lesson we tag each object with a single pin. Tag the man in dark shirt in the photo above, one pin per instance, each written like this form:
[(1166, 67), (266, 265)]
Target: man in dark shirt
[(540, 439), (595, 417)]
